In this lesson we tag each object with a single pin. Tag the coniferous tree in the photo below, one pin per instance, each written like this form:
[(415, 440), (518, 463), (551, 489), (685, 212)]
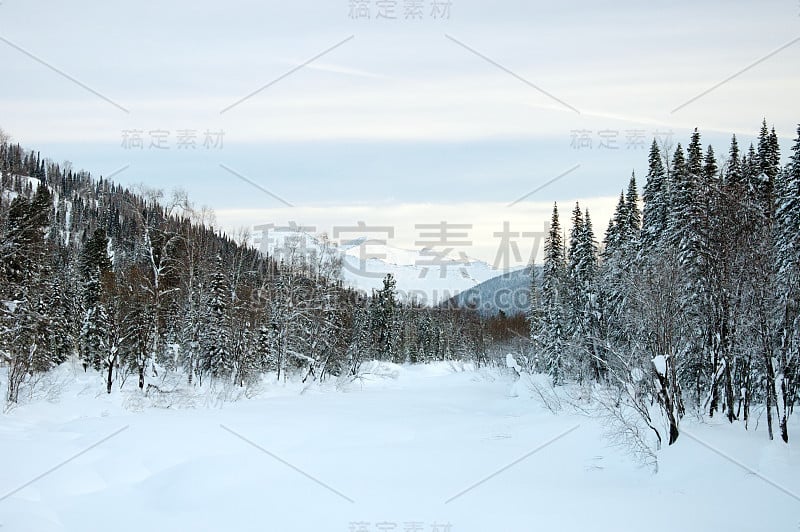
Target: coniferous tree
[(733, 169), (787, 254), (217, 359), (383, 318), (656, 202), (583, 309), (551, 331), (767, 162), (575, 260), (96, 327), (633, 223)]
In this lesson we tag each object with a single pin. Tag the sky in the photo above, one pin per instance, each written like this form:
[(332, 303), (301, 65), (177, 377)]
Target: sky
[(331, 113)]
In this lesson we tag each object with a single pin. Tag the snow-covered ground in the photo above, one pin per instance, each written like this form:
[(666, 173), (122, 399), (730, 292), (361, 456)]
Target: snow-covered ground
[(414, 448)]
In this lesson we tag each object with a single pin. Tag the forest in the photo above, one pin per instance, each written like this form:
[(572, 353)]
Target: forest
[(133, 283), (689, 304)]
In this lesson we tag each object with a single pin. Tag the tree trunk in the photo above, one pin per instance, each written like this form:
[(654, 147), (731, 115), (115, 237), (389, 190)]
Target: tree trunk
[(15, 376), (770, 389), (715, 383), (729, 399), (782, 422), (110, 378), (747, 393), (780, 399), (668, 403)]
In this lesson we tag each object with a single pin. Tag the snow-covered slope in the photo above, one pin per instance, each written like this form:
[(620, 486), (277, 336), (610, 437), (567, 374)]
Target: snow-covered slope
[(429, 284), (509, 292)]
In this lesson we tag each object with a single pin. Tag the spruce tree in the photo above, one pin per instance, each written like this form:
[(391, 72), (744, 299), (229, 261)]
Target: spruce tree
[(553, 330), (615, 232), (94, 336), (573, 253), (654, 216), (216, 341), (733, 169), (384, 312), (633, 222), (585, 313)]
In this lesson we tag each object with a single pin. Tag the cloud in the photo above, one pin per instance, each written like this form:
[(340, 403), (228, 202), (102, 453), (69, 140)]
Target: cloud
[(485, 218)]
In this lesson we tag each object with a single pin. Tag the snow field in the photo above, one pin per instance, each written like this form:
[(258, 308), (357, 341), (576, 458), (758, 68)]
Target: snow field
[(416, 447)]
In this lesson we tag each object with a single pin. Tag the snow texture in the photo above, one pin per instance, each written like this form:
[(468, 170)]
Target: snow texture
[(399, 443)]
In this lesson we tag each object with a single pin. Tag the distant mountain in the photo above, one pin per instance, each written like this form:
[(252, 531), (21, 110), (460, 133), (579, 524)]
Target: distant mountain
[(509, 292), (429, 285), (365, 264)]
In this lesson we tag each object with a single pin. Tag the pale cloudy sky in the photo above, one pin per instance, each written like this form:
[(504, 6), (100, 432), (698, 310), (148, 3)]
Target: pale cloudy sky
[(396, 121)]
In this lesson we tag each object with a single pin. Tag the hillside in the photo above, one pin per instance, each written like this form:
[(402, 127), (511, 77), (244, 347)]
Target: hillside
[(138, 283), (509, 293)]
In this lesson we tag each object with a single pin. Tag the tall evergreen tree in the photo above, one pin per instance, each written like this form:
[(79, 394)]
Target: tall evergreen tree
[(614, 239), (656, 201), (573, 253), (95, 331), (383, 319), (216, 342), (733, 168), (552, 330)]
